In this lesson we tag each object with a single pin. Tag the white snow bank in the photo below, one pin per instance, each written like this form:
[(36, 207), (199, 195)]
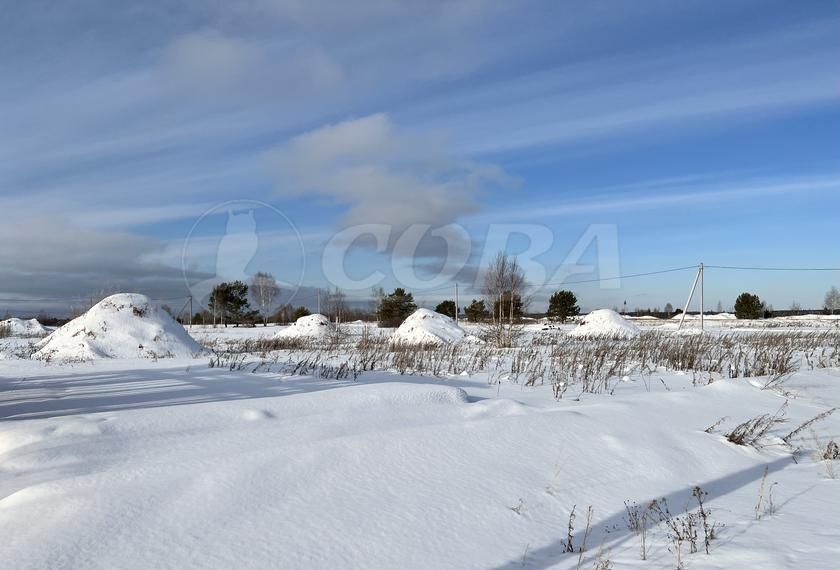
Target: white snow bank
[(308, 326), (126, 325), (428, 327), (24, 328), (605, 323), (688, 331), (707, 317)]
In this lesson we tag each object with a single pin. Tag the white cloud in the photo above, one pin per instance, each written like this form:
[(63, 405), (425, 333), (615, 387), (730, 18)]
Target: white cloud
[(381, 174), (210, 60)]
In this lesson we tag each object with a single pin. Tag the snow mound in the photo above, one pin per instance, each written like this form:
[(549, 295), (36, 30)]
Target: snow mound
[(428, 327), (23, 328), (605, 323), (307, 327), (126, 325)]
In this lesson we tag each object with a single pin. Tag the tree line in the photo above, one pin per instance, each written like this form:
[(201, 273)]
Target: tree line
[(503, 303)]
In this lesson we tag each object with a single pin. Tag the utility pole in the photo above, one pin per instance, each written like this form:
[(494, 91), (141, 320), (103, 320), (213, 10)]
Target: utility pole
[(456, 302), (191, 313), (690, 295), (702, 296)]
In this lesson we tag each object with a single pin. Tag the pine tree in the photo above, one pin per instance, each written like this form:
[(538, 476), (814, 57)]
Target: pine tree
[(476, 311), (300, 312), (229, 301), (562, 305), (446, 308), (748, 306), (396, 307), (832, 300)]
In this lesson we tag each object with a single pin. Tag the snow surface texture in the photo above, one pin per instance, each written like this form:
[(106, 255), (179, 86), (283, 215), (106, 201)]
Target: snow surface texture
[(605, 323), (24, 328), (310, 326), (139, 464), (425, 327), (126, 325)]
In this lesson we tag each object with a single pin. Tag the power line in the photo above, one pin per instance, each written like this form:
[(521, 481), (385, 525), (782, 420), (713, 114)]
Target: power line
[(773, 268), (629, 276), (663, 271)]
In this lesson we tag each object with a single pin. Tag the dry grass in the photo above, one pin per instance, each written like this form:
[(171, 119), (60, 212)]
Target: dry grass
[(566, 363), (753, 431)]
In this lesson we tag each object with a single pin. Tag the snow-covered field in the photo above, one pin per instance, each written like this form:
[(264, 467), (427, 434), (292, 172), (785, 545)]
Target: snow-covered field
[(263, 462)]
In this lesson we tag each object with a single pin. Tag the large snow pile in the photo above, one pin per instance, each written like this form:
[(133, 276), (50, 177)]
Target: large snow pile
[(428, 327), (310, 326), (126, 325), (605, 323), (24, 328)]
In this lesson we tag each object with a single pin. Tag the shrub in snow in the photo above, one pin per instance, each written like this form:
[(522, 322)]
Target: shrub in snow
[(126, 325), (23, 328), (310, 326), (425, 327), (753, 431), (605, 323)]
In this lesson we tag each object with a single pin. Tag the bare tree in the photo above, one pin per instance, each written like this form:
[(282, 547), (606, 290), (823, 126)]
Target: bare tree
[(264, 290), (832, 300), (378, 294), (335, 304), (504, 287)]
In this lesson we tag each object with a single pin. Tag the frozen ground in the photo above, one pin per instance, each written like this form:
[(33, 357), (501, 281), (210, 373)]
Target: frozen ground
[(139, 463)]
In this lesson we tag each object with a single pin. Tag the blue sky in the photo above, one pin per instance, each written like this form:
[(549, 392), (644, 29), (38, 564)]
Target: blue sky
[(700, 131)]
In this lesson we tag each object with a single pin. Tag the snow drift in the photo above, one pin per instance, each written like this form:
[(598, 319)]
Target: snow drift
[(24, 328), (605, 323), (428, 327), (310, 326), (707, 317), (126, 325)]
